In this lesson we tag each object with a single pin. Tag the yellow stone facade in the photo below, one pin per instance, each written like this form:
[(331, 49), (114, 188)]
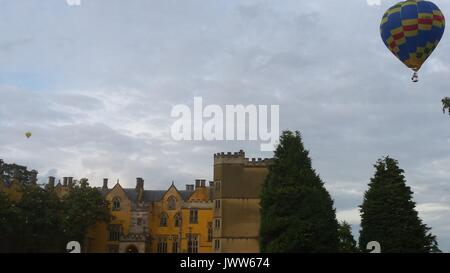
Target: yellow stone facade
[(238, 181), (170, 221), (221, 216)]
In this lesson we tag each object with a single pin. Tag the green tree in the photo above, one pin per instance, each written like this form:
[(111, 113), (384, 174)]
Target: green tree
[(347, 243), (446, 105), (388, 213), (40, 221), (83, 207), (9, 220), (297, 213)]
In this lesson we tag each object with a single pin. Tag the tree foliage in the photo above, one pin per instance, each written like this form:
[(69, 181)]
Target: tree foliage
[(83, 207), (388, 213), (9, 220), (446, 105), (347, 243), (43, 222), (297, 213)]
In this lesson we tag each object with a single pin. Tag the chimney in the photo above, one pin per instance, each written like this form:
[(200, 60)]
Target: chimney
[(211, 189), (202, 183), (197, 183), (105, 184), (70, 182), (65, 181), (189, 187), (139, 184), (140, 190), (51, 181)]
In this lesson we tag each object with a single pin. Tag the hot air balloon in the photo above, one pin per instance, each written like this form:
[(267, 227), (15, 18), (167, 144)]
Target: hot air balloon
[(411, 30), (28, 134)]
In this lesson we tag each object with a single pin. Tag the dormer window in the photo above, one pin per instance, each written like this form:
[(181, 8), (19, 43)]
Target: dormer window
[(116, 204)]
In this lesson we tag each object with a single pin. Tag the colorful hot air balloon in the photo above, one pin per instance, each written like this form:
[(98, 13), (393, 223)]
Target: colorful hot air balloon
[(411, 30), (28, 134)]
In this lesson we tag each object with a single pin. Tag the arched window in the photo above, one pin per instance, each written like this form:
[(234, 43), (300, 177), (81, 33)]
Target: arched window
[(116, 204), (171, 203), (177, 220), (163, 220), (162, 245)]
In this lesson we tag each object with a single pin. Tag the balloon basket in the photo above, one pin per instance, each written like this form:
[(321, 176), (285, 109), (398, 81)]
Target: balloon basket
[(415, 77)]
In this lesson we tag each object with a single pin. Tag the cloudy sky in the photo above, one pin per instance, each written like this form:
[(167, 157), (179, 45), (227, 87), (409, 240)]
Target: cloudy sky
[(96, 84)]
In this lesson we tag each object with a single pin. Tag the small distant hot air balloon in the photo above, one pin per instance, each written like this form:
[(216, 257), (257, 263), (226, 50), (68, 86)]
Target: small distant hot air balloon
[(28, 134), (411, 30)]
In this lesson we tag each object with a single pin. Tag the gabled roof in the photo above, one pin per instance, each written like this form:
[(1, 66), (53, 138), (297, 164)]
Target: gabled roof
[(185, 194), (149, 195), (153, 195)]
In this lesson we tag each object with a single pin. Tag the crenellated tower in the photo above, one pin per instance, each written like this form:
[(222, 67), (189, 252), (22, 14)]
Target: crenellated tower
[(237, 186)]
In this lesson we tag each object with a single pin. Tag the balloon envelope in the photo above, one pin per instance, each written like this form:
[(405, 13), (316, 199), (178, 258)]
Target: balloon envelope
[(411, 30), (28, 134)]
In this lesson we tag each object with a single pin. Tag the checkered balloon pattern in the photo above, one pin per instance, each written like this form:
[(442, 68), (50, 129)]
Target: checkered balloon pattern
[(411, 30)]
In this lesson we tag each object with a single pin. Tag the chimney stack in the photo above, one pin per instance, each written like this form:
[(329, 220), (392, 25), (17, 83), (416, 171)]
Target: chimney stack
[(203, 183), (139, 184), (140, 190), (65, 179), (51, 181), (105, 184), (211, 189), (189, 187), (197, 183), (70, 182)]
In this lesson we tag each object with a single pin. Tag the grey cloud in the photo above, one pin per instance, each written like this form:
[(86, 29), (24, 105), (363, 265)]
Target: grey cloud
[(79, 102), (10, 45), (113, 71)]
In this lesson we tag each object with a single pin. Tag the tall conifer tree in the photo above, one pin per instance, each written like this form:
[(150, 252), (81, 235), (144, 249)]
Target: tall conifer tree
[(297, 213), (388, 213), (347, 243)]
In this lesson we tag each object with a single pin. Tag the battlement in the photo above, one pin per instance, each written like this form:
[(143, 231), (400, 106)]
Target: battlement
[(258, 161), (229, 155), (239, 158)]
